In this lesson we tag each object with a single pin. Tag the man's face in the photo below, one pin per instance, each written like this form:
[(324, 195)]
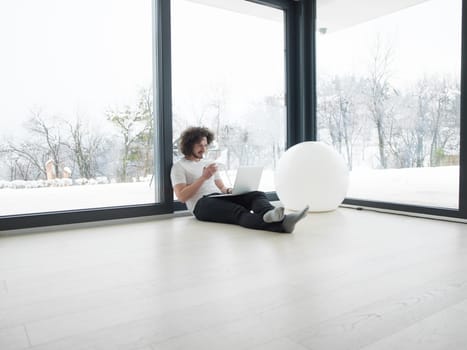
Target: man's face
[(200, 148)]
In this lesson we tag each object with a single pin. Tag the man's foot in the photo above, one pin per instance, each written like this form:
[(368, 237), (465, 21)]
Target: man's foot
[(274, 215), (291, 219)]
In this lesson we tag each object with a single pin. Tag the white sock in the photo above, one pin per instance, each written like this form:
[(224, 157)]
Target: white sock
[(274, 215)]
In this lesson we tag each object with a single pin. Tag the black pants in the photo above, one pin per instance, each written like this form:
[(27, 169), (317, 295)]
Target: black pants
[(246, 210)]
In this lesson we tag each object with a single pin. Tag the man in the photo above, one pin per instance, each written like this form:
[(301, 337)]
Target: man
[(195, 179)]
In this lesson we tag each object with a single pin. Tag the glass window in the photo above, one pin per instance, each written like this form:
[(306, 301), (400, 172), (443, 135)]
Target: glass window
[(389, 97), (228, 75), (77, 115)]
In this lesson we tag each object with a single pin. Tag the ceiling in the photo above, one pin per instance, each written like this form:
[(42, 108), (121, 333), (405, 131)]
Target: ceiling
[(339, 14), (332, 15)]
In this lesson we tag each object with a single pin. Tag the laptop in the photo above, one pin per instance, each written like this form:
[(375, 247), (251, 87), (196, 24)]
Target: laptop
[(247, 180)]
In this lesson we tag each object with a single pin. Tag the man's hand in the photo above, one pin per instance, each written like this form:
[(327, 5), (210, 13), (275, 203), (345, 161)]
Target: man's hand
[(209, 170)]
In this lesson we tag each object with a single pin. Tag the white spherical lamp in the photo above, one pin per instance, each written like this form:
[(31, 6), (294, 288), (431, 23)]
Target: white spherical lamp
[(311, 173)]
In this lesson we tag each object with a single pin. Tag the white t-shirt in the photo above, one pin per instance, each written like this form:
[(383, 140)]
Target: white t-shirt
[(188, 171)]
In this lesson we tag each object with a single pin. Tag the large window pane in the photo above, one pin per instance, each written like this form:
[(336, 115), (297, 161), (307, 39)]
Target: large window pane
[(228, 75), (76, 107), (389, 97)]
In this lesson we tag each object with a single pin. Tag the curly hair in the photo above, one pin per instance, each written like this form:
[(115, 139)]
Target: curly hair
[(194, 135)]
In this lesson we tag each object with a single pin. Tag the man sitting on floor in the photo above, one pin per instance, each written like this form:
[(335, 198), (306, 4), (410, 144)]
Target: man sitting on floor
[(195, 180)]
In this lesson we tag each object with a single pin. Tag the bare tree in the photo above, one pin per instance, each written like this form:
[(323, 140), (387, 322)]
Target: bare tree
[(86, 147), (145, 108), (21, 162), (235, 139), (444, 121), (423, 99), (338, 114), (27, 158), (379, 92), (49, 132), (402, 143), (275, 114), (426, 125)]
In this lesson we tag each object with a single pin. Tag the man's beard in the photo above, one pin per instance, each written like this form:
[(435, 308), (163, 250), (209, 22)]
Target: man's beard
[(197, 156)]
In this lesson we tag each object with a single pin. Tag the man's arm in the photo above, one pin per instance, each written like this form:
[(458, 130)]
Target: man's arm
[(220, 185), (185, 192)]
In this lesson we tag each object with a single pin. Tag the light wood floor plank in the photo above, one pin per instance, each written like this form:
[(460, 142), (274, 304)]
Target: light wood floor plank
[(367, 324), (13, 338), (443, 330), (345, 279)]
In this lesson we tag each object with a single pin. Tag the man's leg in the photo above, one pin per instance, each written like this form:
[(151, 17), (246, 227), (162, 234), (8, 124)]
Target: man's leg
[(258, 202), (230, 210)]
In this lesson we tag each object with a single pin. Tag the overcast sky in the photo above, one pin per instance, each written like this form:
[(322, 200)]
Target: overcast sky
[(70, 57), (425, 38)]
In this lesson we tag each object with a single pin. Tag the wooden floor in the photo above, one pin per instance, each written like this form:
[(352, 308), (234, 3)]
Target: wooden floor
[(344, 280)]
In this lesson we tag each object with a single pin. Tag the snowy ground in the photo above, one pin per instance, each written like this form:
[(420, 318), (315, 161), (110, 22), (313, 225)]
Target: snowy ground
[(433, 187), (437, 187)]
